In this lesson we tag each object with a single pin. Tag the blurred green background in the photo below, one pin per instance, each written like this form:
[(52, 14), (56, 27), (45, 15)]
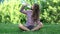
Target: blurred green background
[(49, 11)]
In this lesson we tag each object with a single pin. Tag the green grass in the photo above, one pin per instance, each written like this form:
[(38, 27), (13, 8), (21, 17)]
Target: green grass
[(10, 28)]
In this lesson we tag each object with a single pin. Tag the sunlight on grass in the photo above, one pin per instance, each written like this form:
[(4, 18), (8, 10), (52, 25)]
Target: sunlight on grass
[(10, 28)]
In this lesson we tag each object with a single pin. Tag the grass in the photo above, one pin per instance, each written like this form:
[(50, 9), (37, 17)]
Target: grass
[(10, 28)]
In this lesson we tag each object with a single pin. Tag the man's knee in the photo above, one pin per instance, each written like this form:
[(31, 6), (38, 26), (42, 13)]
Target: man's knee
[(41, 24), (20, 25)]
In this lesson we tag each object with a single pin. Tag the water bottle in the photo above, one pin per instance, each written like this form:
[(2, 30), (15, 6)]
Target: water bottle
[(27, 5)]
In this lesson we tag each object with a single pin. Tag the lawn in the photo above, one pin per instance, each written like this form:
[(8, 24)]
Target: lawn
[(10, 28)]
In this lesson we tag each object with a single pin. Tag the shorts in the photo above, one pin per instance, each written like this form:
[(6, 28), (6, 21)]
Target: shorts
[(30, 27)]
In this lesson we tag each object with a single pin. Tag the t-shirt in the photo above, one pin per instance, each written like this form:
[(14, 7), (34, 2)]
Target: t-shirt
[(29, 18)]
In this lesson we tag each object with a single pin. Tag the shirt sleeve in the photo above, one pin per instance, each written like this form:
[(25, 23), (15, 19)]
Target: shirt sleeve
[(22, 10)]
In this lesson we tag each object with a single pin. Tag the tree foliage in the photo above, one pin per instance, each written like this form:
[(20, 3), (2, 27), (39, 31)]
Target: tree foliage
[(49, 11)]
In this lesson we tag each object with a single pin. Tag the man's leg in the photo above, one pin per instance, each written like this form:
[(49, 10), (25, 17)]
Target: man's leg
[(23, 27), (40, 25)]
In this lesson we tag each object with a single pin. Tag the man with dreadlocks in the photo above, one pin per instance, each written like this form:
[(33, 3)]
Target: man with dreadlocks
[(32, 18)]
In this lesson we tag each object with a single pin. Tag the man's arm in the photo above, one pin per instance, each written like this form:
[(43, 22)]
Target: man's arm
[(22, 10)]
